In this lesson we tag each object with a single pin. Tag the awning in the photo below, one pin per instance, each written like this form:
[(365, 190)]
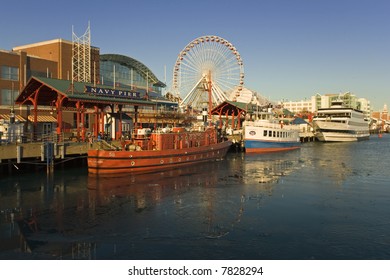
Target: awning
[(6, 117), (43, 119)]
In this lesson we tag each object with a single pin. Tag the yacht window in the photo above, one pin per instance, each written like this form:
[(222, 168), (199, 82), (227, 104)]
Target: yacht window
[(270, 133), (274, 134), (265, 133)]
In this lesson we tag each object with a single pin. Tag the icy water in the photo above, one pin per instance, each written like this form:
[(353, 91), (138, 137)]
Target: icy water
[(324, 201)]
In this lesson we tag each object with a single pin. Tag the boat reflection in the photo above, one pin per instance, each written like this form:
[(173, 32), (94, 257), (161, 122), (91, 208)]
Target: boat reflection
[(196, 193), (339, 167), (148, 189), (269, 169)]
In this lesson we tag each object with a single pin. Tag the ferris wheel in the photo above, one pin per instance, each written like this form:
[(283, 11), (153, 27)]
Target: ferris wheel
[(207, 61)]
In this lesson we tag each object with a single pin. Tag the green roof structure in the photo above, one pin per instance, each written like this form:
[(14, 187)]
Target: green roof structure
[(49, 89)]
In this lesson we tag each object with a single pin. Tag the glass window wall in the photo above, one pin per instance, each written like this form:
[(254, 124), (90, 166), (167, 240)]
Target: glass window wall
[(124, 77)]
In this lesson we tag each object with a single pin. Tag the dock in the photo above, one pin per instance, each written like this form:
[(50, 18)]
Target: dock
[(307, 137), (41, 154)]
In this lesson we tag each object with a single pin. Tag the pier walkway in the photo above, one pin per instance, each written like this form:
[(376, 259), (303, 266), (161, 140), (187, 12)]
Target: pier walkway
[(16, 154)]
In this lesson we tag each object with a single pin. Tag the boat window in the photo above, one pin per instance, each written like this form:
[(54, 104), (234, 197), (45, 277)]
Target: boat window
[(274, 134), (278, 135), (265, 133), (270, 133)]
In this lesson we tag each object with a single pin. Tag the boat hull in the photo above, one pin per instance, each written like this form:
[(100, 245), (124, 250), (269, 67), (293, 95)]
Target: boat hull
[(339, 132), (340, 136), (114, 162), (255, 146)]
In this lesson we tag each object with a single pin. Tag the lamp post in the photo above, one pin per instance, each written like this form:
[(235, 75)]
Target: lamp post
[(12, 113)]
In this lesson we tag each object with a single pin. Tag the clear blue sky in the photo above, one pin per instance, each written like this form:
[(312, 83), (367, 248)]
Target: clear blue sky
[(291, 49)]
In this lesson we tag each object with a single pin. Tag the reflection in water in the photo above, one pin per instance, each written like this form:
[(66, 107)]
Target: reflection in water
[(333, 160), (269, 169), (145, 190), (79, 215), (324, 201), (188, 189)]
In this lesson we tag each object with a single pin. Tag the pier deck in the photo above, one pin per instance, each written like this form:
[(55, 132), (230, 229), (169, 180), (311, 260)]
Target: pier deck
[(29, 154)]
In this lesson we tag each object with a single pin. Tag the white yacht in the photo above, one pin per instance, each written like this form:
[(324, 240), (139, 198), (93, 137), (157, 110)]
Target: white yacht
[(339, 123)]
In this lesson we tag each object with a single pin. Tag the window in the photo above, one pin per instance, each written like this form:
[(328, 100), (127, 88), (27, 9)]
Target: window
[(265, 133), (7, 95), (10, 73), (31, 73)]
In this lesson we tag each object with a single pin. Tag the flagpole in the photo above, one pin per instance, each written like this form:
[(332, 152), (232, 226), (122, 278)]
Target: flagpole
[(94, 73), (165, 78), (131, 79), (147, 82), (114, 77)]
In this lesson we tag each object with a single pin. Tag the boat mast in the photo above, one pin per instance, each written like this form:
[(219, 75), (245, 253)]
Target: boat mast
[(210, 98)]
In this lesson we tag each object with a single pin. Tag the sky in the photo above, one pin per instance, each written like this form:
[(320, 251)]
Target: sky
[(291, 49)]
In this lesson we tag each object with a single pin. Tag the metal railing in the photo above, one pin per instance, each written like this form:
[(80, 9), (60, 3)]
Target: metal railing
[(12, 138)]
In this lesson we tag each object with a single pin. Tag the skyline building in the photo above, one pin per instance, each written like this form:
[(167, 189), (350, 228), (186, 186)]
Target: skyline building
[(318, 101)]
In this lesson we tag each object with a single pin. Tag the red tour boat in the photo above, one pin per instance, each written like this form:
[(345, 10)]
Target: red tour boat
[(154, 151)]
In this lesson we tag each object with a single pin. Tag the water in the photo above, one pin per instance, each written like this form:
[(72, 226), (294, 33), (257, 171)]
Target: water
[(324, 201)]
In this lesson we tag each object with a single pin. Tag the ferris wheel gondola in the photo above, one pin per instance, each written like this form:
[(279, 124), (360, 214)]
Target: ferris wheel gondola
[(204, 62)]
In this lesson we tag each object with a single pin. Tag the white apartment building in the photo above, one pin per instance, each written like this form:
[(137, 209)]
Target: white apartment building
[(323, 101), (307, 105)]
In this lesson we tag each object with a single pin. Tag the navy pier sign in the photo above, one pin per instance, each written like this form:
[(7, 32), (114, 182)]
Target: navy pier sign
[(112, 92)]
